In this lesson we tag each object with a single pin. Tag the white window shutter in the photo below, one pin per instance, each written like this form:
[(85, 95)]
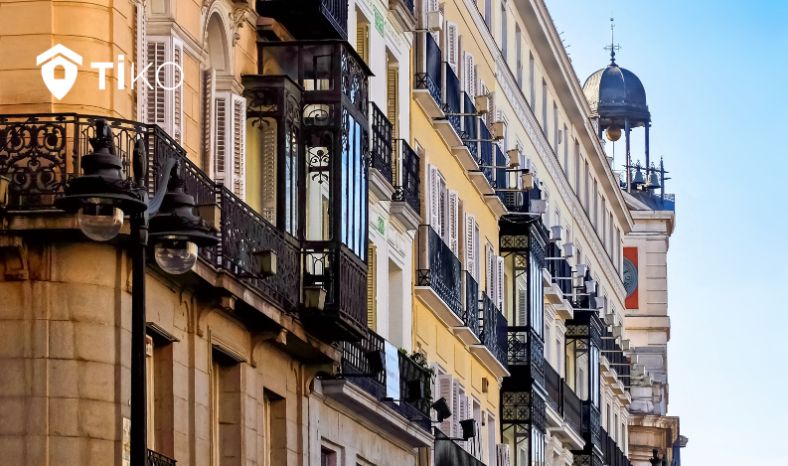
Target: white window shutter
[(453, 226), (470, 253), (446, 391), (463, 415), (473, 72), (164, 103), (433, 197), (452, 45), (476, 251), (239, 145), (489, 276), (499, 277), (208, 128), (504, 454), (221, 121), (155, 104), (522, 307), (455, 408), (140, 57), (176, 76)]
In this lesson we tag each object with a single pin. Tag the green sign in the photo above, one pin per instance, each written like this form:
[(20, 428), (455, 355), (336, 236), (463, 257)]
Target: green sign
[(380, 22)]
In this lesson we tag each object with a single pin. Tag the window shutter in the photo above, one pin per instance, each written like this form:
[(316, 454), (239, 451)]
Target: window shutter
[(499, 277), (522, 307), (446, 391), (221, 120), (452, 45), (164, 103), (470, 253), (489, 278), (155, 98), (455, 408), (474, 78), (463, 414), (392, 91), (140, 57), (435, 199), (453, 226), (176, 76), (476, 250), (239, 146), (372, 293), (362, 40), (208, 91)]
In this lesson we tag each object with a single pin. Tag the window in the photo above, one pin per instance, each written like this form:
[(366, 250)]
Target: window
[(372, 287), (504, 31), (518, 45), (443, 210), (556, 130), (328, 457), (164, 102), (536, 295), (158, 369), (392, 95), (362, 36), (531, 81), (592, 212), (586, 185), (488, 9), (566, 152), (452, 45), (545, 129), (275, 419), (354, 189), (230, 143), (225, 408), (577, 168)]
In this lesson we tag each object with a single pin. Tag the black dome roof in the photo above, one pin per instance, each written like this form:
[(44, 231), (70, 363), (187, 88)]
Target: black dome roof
[(615, 94)]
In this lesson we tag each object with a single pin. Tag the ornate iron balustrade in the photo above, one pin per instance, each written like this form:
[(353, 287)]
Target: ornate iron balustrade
[(501, 181), (305, 21), (408, 186), (554, 385), (494, 329), (410, 372), (470, 121), (430, 77), (573, 409), (157, 459), (470, 315), (452, 104), (381, 143), (41, 152), (449, 453), (517, 345), (443, 269), (355, 362)]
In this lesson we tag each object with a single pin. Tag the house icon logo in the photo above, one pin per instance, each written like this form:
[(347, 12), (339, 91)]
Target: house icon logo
[(62, 57)]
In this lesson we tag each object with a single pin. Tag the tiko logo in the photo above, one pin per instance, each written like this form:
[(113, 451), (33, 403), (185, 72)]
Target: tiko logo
[(168, 75), (59, 57)]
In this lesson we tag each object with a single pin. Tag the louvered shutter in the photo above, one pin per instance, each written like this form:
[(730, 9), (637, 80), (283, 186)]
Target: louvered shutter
[(489, 278), (372, 288), (239, 145), (522, 307), (476, 250), (492, 113), (452, 45), (140, 57), (176, 95), (392, 100), (504, 454), (362, 40), (455, 408), (208, 91), (164, 103), (499, 278), (463, 414), (155, 107), (446, 391), (470, 252), (474, 78), (435, 200), (221, 121), (453, 225)]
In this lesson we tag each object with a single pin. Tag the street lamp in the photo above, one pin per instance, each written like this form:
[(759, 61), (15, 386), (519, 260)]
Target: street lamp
[(101, 198)]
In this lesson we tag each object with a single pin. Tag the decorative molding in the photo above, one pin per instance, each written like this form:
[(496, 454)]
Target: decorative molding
[(237, 19)]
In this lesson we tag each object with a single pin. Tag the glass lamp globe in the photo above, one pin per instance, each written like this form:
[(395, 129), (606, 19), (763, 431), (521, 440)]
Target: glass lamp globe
[(99, 220), (613, 133), (175, 256)]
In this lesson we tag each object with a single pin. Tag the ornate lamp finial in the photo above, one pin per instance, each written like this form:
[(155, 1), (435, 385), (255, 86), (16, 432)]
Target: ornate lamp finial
[(613, 47)]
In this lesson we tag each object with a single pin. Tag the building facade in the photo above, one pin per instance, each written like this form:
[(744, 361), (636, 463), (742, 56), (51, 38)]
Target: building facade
[(423, 251)]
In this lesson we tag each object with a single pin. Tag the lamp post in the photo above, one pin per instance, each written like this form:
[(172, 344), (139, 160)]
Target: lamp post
[(101, 198)]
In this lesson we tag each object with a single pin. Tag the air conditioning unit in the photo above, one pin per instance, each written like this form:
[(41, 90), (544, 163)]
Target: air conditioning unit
[(482, 103), (625, 345), (569, 250), (590, 286), (599, 302), (556, 233), (498, 130), (610, 318), (538, 206), (528, 181), (514, 156), (617, 330), (581, 270), (435, 21)]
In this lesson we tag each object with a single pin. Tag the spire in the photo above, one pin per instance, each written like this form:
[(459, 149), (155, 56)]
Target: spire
[(613, 47)]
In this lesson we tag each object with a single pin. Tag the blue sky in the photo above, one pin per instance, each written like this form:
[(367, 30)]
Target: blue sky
[(716, 77)]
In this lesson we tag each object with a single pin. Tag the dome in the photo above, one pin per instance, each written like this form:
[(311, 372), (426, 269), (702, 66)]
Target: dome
[(615, 94)]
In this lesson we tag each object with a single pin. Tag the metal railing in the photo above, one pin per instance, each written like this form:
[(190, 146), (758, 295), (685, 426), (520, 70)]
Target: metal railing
[(440, 269), (573, 409), (559, 268), (41, 152), (470, 315), (470, 120), (615, 355), (449, 453), (485, 159), (336, 13), (408, 185), (500, 171), (157, 459), (410, 372), (429, 77), (517, 345), (554, 385), (452, 104), (381, 143), (494, 329)]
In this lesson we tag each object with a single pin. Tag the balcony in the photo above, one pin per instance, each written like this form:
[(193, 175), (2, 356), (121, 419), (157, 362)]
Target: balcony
[(439, 277), (494, 345), (486, 160), (382, 163), (157, 459), (470, 332), (41, 152), (427, 80), (308, 19), (554, 385), (573, 409), (470, 121), (448, 453), (613, 454), (449, 125), (408, 182)]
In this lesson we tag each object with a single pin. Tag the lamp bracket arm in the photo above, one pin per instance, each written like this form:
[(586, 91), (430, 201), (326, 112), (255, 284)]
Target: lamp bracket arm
[(170, 170)]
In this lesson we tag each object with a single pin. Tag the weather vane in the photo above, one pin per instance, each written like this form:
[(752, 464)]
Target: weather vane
[(613, 47)]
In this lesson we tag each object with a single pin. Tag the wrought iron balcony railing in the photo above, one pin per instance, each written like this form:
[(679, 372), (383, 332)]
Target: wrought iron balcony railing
[(360, 371), (452, 103), (449, 453), (428, 75), (614, 456), (554, 385), (440, 269), (500, 172), (41, 152), (381, 143), (470, 121), (573, 409), (408, 183), (517, 345), (485, 159), (470, 315), (494, 329), (157, 459)]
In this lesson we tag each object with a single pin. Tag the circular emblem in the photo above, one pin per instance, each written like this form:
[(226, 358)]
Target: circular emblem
[(630, 276)]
